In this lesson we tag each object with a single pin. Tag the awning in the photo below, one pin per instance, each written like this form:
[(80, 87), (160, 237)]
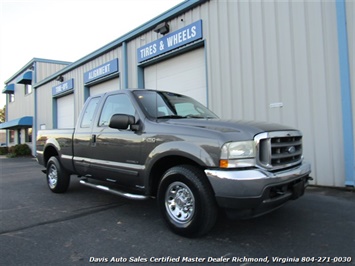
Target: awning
[(25, 78), (10, 89), (23, 122)]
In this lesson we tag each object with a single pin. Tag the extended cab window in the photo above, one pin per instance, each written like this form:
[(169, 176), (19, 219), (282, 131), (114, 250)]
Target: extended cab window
[(115, 104), (89, 112)]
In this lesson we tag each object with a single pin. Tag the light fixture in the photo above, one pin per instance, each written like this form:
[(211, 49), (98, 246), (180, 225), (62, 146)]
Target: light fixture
[(60, 78), (162, 28)]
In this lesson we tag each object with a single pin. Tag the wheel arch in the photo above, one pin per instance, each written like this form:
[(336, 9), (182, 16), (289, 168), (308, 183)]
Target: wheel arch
[(162, 165), (49, 151)]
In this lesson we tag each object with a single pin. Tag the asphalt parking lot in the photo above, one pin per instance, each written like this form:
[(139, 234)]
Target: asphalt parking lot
[(86, 226)]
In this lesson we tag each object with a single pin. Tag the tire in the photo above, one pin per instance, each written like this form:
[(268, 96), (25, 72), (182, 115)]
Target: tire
[(186, 201), (57, 178)]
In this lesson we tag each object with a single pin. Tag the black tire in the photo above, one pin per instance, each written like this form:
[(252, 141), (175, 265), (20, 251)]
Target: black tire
[(186, 201), (57, 178)]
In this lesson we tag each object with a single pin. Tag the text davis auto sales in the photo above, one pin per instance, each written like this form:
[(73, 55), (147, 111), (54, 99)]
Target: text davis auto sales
[(171, 41)]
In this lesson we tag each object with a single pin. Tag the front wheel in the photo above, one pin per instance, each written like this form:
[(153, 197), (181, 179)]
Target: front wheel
[(57, 178), (186, 201)]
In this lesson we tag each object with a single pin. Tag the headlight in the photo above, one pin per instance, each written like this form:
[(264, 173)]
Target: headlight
[(238, 154)]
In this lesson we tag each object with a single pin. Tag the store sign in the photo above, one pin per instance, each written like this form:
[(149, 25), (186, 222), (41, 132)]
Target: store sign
[(101, 71), (170, 41), (63, 87)]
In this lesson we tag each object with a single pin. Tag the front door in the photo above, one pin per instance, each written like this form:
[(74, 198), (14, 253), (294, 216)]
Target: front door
[(116, 153)]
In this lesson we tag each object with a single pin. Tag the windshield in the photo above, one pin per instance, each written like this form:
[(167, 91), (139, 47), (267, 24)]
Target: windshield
[(159, 104)]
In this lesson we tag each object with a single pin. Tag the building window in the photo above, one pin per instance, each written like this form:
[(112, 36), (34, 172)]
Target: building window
[(12, 136), (28, 135), (28, 89), (11, 98)]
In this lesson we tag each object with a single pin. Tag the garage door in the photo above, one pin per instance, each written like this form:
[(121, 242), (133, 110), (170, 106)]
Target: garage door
[(183, 74), (65, 111), (106, 86)]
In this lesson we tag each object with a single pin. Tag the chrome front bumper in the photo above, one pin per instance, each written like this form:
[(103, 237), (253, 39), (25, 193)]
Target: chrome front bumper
[(258, 189)]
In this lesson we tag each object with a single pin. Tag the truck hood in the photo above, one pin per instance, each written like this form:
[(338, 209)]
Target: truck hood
[(249, 128)]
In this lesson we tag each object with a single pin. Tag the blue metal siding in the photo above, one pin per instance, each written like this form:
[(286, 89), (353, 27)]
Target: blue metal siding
[(125, 65), (344, 69), (55, 113)]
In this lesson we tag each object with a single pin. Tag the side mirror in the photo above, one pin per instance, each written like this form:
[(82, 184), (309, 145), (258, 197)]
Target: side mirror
[(121, 121)]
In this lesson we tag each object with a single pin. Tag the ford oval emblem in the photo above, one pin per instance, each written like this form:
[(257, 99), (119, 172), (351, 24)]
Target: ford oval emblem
[(292, 149)]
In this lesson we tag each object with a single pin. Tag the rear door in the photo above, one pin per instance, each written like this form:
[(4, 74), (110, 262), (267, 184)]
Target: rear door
[(83, 136)]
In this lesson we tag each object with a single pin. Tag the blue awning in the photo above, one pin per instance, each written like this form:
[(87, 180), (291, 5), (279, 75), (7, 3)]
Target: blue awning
[(23, 122), (10, 89), (25, 78)]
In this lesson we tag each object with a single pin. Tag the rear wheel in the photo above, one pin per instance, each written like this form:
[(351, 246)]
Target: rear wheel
[(186, 201), (57, 178)]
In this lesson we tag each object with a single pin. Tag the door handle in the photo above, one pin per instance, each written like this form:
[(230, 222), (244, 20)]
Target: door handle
[(93, 140)]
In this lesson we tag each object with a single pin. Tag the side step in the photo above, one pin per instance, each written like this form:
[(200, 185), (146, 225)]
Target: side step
[(114, 191)]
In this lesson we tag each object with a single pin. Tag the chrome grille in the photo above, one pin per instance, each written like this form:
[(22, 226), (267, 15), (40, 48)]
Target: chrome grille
[(277, 150)]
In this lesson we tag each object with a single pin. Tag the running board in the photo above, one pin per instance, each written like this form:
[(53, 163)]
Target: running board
[(114, 191)]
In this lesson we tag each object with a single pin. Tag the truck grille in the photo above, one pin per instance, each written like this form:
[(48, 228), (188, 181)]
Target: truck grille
[(277, 150)]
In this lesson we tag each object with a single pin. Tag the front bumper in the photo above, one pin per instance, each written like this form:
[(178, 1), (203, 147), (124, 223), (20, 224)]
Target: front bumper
[(255, 191)]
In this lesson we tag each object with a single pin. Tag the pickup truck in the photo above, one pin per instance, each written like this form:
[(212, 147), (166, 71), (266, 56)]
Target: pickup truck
[(141, 144)]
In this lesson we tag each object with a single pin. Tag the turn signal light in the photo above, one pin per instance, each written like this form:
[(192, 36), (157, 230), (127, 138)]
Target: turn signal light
[(223, 163)]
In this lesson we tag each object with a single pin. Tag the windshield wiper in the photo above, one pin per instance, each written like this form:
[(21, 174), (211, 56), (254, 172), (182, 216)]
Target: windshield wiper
[(185, 116), (170, 116), (195, 116)]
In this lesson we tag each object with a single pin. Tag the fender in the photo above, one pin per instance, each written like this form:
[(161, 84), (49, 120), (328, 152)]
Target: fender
[(180, 148), (63, 147), (52, 142), (184, 149), (45, 149)]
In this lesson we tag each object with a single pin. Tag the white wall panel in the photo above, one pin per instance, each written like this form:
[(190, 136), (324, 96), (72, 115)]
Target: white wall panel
[(23, 104), (44, 69), (65, 111), (266, 52), (45, 105), (106, 86), (183, 74)]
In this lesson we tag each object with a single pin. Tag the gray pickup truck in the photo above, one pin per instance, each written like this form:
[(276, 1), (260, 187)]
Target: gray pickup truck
[(144, 144)]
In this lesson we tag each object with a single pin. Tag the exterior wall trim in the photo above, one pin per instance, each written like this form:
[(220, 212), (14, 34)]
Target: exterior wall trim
[(125, 65), (32, 63), (344, 69)]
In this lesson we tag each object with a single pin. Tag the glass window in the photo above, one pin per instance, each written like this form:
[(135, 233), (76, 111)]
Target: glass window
[(28, 135), (89, 112), (12, 136), (11, 98), (115, 104), (169, 105), (28, 89)]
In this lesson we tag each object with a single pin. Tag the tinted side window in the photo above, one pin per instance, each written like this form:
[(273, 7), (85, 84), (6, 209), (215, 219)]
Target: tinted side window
[(89, 112), (115, 104)]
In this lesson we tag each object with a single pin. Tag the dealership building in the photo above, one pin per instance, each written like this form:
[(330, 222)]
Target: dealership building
[(281, 62)]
